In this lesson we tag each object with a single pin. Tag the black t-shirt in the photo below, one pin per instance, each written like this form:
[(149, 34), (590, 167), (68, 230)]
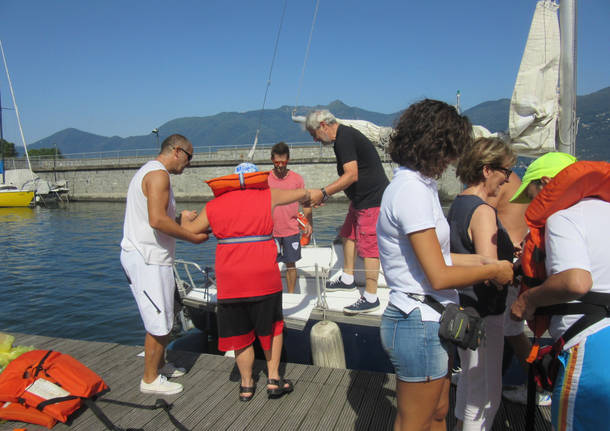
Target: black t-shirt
[(352, 145)]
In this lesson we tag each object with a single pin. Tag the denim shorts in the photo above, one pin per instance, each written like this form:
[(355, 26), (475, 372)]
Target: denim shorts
[(414, 348)]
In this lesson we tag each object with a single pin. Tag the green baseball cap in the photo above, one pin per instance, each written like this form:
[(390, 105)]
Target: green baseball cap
[(547, 165)]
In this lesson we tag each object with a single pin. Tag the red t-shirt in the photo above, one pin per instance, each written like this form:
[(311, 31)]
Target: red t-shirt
[(247, 269), (285, 216)]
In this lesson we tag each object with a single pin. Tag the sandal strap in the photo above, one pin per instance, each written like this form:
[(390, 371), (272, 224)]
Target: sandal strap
[(246, 388), (275, 382)]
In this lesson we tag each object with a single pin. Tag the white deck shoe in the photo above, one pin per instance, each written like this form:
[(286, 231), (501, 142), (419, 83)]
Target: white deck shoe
[(160, 386), (169, 370), (518, 394)]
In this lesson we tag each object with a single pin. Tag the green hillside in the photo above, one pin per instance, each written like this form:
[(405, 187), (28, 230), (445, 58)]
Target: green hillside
[(239, 129)]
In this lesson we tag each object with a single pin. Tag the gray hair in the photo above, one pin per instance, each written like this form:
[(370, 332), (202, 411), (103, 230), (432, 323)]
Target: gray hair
[(314, 118)]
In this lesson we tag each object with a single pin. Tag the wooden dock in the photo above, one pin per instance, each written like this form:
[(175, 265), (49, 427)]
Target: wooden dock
[(323, 399)]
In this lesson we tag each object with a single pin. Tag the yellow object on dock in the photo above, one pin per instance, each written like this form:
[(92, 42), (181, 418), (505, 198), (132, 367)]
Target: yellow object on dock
[(6, 342)]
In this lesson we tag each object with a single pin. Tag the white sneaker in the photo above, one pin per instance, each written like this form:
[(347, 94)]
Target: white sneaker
[(160, 386), (169, 370), (518, 394)]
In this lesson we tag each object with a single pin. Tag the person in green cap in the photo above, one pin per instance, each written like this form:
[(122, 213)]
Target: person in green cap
[(539, 174), (568, 218)]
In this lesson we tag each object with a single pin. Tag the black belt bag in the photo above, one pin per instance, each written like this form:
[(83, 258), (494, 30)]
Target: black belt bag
[(462, 326)]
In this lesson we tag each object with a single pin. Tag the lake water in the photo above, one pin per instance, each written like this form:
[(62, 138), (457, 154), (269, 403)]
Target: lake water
[(61, 275)]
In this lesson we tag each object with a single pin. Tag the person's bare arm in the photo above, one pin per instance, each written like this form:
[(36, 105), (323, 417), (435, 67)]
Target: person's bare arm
[(483, 231), (349, 177), (284, 197), (442, 276), (156, 187), (562, 287), (199, 224)]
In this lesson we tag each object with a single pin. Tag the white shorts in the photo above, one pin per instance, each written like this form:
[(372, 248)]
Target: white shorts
[(512, 327), (153, 288)]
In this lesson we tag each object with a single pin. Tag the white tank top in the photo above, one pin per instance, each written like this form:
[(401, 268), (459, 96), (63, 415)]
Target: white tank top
[(155, 247)]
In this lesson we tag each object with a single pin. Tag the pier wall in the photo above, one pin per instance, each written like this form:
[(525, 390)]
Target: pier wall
[(107, 178)]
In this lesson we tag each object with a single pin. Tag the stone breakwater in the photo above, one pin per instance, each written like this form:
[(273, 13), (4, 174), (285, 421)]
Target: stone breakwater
[(107, 178)]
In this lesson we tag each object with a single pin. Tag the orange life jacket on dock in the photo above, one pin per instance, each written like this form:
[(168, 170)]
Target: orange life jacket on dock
[(229, 183), (574, 183), (50, 383)]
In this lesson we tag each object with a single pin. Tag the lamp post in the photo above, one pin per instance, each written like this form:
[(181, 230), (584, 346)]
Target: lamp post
[(156, 132)]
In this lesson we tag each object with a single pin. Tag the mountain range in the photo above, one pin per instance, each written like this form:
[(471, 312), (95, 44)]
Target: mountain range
[(239, 129)]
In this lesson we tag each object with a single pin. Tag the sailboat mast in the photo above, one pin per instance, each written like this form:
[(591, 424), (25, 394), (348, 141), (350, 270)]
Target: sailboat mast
[(568, 126), (10, 85), (2, 141)]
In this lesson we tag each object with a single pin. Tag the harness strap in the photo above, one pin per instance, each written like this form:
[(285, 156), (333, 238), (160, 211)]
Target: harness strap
[(244, 239), (593, 305), (38, 368), (159, 404), (103, 418), (428, 300), (55, 400)]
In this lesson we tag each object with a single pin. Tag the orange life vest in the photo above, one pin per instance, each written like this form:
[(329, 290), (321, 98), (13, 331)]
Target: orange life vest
[(49, 382), (20, 413), (228, 183), (574, 183)]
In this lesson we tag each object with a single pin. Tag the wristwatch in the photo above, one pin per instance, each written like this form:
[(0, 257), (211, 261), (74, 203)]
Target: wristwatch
[(325, 195)]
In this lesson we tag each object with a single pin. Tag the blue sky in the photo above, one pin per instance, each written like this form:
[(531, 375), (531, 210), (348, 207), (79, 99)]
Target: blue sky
[(123, 67)]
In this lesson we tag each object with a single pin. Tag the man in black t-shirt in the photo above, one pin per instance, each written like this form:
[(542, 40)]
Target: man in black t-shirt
[(362, 178)]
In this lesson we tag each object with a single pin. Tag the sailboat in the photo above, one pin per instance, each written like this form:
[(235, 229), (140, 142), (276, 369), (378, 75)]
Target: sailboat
[(10, 195), (25, 180), (535, 118)]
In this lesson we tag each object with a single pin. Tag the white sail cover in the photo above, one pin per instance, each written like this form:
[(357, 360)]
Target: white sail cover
[(534, 106)]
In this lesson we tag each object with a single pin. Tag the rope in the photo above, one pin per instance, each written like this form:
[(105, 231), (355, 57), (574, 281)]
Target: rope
[(313, 23), (260, 119)]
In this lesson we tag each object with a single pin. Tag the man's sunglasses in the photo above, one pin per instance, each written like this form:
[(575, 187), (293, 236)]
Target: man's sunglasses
[(280, 163), (189, 156)]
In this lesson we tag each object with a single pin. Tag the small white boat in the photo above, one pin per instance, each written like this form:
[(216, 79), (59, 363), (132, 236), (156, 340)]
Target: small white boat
[(308, 305)]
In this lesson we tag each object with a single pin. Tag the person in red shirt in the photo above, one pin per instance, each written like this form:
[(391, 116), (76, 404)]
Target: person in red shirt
[(248, 281), (285, 223)]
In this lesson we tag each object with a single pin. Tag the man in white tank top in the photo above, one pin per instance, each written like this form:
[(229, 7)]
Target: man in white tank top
[(147, 254)]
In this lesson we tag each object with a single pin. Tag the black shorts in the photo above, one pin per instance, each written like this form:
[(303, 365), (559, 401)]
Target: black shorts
[(288, 248), (240, 321)]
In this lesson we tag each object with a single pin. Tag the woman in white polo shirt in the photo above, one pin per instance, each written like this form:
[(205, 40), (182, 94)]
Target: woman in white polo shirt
[(413, 237)]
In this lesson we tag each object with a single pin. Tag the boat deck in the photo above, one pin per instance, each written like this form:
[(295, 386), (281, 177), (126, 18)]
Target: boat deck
[(324, 398)]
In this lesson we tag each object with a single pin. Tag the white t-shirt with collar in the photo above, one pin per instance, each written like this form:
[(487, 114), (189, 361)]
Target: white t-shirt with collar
[(411, 204), (578, 238)]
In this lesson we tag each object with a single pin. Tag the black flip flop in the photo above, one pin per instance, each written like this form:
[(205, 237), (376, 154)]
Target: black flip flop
[(246, 389), (281, 388)]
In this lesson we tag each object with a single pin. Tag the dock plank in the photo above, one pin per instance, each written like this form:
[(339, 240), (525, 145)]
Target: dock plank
[(323, 399)]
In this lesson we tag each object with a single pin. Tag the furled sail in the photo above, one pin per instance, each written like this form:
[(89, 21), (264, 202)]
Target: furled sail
[(534, 106), (378, 135)]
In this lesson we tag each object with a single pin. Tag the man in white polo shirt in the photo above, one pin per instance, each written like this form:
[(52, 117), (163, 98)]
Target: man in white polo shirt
[(147, 254)]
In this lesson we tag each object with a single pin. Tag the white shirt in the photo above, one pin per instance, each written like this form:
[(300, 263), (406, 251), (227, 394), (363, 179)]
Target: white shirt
[(155, 247), (410, 204), (578, 237)]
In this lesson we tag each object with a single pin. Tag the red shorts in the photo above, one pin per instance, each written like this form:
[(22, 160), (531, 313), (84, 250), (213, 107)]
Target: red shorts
[(240, 322), (361, 226)]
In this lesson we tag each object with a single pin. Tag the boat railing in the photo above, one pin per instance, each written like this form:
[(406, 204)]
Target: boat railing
[(188, 269)]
